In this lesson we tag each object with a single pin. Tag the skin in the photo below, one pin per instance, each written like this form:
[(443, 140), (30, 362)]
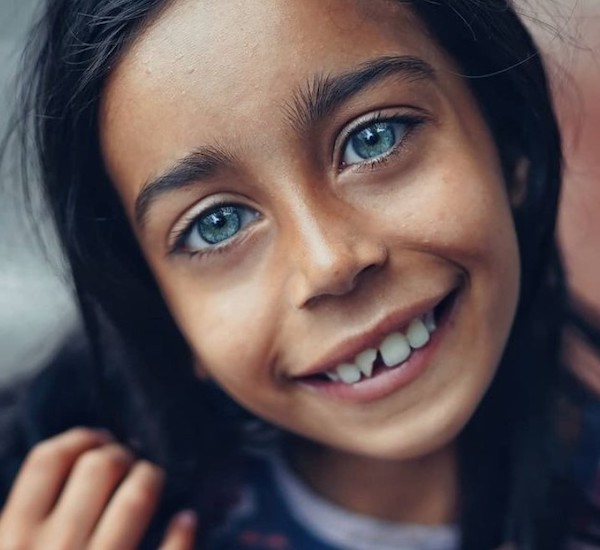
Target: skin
[(333, 248), (81, 489), (579, 224), (414, 481)]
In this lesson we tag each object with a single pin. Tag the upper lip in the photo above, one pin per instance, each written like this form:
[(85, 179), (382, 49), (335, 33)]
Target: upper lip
[(348, 349)]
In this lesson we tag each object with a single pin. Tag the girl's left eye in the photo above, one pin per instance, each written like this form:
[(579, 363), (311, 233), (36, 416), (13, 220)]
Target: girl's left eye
[(214, 227), (373, 142)]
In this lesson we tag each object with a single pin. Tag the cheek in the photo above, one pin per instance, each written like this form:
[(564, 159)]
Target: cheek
[(480, 238), (225, 322), (459, 210)]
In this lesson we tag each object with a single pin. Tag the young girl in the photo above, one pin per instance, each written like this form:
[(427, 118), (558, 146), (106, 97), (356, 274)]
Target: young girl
[(339, 214)]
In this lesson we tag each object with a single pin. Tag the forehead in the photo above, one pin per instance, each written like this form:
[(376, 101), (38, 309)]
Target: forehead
[(206, 68), (225, 39)]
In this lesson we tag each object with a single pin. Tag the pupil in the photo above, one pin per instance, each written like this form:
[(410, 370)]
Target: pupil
[(371, 137), (375, 140), (220, 225), (218, 220)]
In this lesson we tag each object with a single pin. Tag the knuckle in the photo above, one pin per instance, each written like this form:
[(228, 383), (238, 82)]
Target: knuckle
[(138, 498), (45, 455), (81, 434), (106, 460), (59, 449)]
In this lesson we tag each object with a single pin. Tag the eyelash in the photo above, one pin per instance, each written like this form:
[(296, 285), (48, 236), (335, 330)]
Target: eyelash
[(179, 237), (411, 122)]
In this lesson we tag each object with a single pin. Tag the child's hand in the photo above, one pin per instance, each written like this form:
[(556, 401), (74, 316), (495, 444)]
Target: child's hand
[(82, 490)]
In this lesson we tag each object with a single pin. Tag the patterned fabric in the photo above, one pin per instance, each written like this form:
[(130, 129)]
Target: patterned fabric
[(584, 496), (277, 511)]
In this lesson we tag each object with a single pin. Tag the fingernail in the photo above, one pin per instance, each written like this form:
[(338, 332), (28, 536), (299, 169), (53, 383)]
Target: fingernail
[(155, 471), (186, 518)]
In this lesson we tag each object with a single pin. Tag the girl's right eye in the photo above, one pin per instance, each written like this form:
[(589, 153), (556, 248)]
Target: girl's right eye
[(213, 227)]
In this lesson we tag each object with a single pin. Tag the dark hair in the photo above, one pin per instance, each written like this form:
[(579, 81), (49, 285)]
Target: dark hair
[(506, 449)]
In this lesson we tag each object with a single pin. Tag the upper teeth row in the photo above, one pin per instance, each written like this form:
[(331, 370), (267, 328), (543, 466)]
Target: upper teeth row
[(395, 349)]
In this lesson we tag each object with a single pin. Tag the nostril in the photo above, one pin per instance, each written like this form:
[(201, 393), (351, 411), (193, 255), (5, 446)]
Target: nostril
[(367, 272), (369, 269), (344, 285), (334, 266)]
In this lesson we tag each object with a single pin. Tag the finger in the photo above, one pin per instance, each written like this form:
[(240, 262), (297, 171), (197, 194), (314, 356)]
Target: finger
[(128, 514), (91, 483), (43, 474), (181, 533)]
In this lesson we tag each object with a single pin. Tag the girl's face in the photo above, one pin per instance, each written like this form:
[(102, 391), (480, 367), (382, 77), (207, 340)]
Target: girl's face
[(307, 179)]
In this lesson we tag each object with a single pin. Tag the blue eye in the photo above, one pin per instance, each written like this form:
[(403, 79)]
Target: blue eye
[(215, 226), (374, 141)]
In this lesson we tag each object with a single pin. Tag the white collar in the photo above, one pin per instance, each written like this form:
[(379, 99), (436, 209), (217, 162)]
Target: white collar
[(351, 531)]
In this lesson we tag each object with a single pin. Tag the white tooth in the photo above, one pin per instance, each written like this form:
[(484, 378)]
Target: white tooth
[(348, 373), (394, 349), (417, 334), (429, 321), (332, 376), (364, 361)]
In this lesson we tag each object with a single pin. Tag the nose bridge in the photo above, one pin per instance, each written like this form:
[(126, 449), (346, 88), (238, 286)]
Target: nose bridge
[(329, 250)]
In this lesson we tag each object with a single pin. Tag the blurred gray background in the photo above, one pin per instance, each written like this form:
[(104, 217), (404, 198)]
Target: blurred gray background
[(35, 305)]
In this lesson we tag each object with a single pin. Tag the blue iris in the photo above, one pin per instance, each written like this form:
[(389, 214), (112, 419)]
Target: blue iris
[(220, 224), (374, 141)]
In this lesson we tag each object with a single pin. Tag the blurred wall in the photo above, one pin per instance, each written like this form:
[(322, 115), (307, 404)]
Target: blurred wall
[(574, 54), (35, 306)]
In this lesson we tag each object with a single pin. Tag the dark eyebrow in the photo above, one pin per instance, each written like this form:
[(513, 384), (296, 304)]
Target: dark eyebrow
[(319, 97), (311, 104), (201, 164)]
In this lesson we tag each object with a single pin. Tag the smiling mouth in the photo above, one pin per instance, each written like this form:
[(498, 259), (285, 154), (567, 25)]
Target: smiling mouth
[(392, 353)]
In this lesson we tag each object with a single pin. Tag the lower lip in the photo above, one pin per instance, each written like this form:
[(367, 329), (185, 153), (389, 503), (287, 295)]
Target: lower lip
[(392, 380)]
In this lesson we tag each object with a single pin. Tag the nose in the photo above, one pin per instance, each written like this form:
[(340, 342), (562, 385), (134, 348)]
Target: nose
[(331, 253)]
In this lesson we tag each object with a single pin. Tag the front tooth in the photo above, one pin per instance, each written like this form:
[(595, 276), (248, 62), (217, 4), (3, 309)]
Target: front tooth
[(348, 373), (394, 349), (417, 334), (364, 361), (429, 321), (332, 376)]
